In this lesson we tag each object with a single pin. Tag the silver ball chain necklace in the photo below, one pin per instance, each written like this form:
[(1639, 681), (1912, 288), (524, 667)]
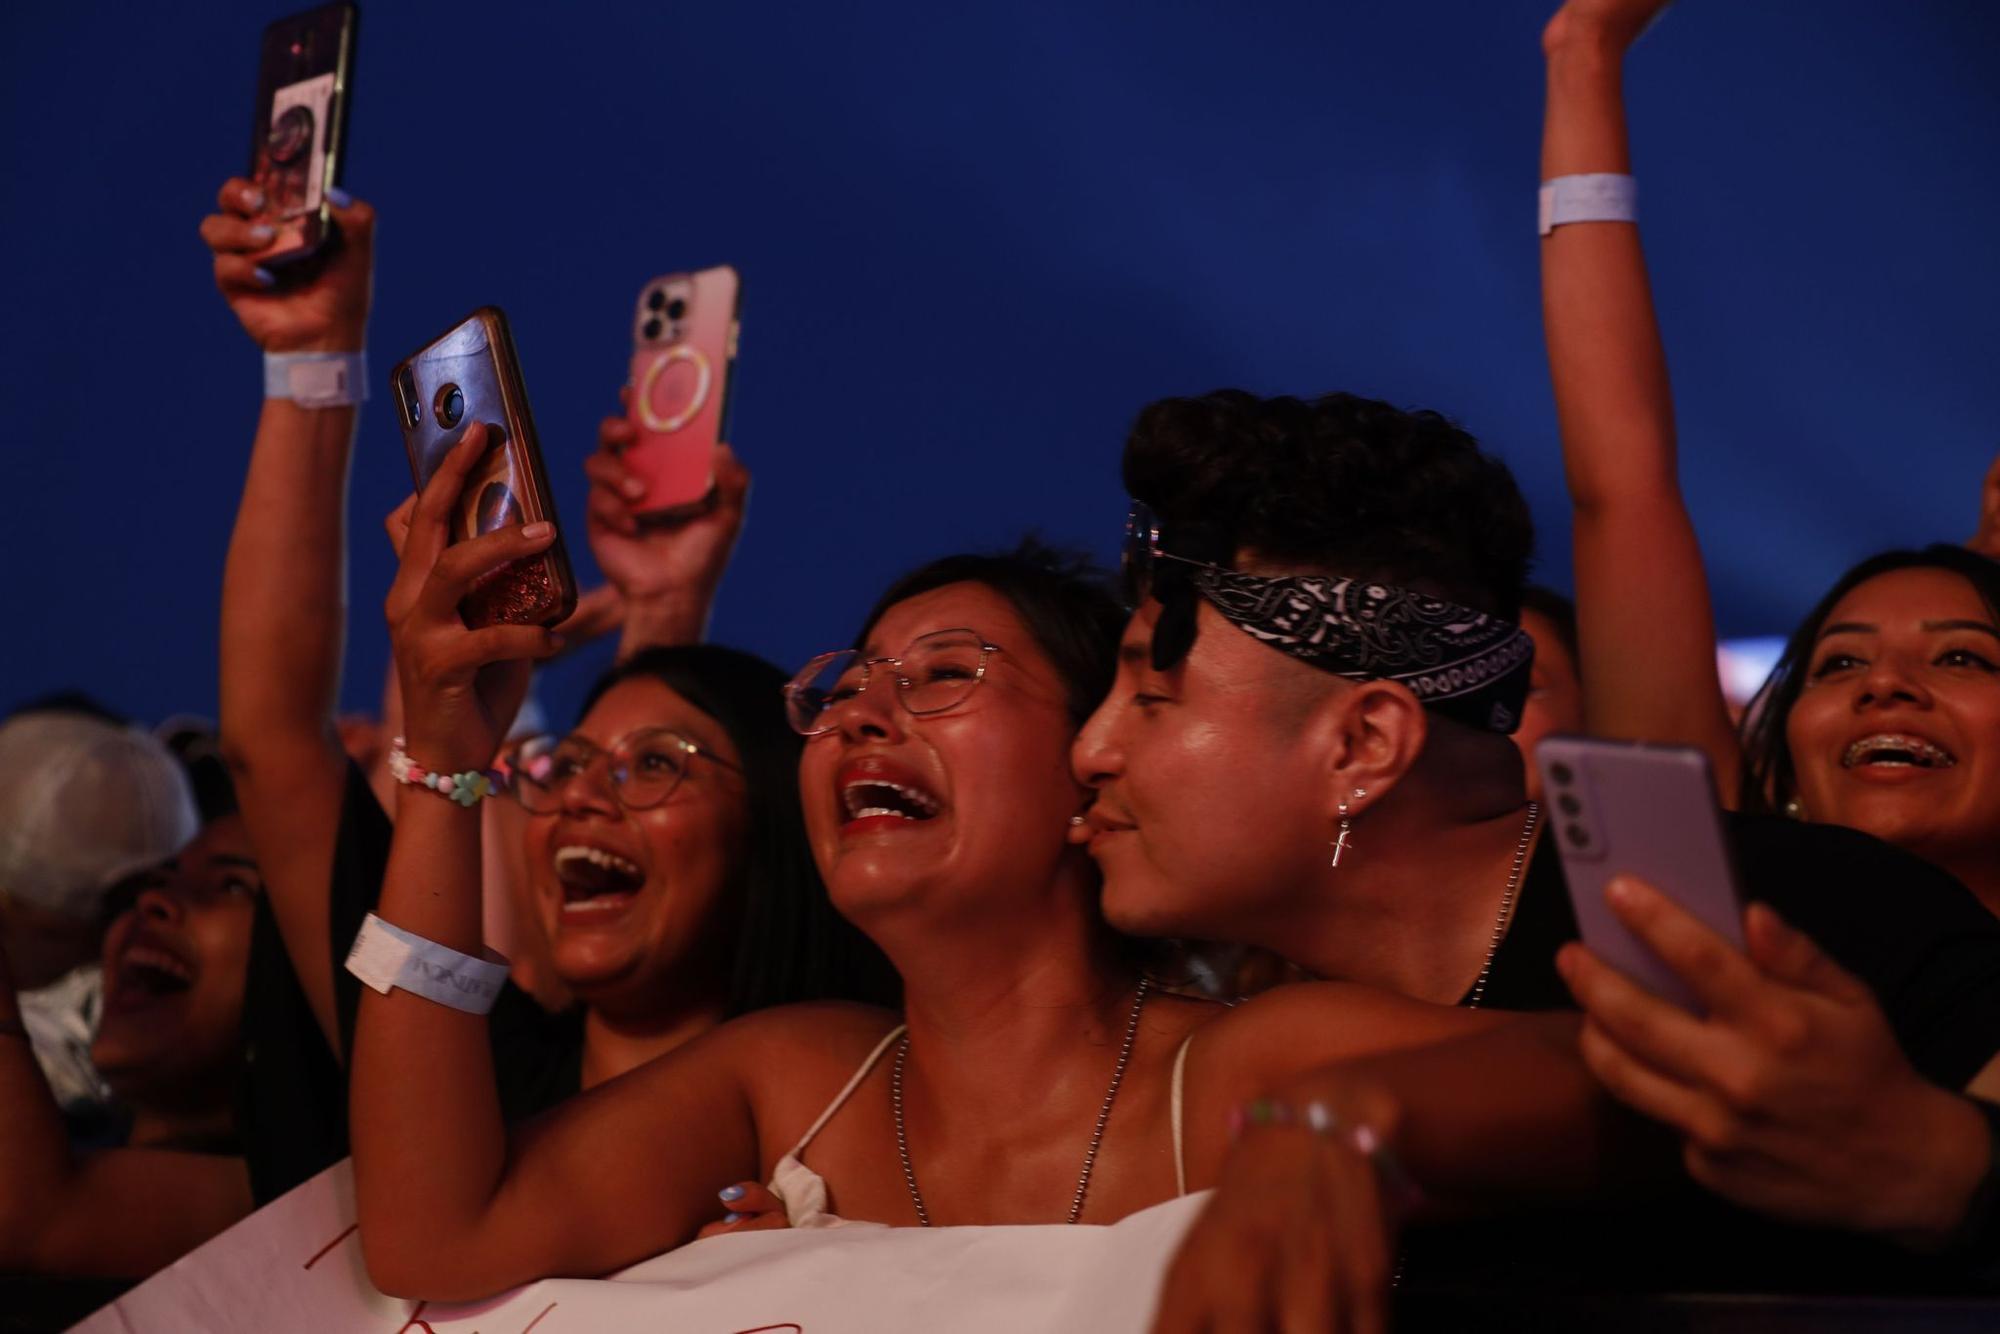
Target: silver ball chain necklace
[(1096, 1135), (1500, 924)]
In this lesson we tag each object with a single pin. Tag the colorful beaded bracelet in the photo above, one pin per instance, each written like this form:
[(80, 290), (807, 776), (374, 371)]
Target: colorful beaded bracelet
[(463, 788)]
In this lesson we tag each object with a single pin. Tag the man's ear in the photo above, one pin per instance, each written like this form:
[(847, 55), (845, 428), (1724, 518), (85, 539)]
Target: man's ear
[(1373, 734)]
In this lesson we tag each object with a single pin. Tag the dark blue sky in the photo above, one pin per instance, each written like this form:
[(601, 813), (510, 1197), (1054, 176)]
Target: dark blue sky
[(975, 239)]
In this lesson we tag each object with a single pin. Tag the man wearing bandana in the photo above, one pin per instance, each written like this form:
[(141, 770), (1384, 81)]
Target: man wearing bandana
[(1307, 749)]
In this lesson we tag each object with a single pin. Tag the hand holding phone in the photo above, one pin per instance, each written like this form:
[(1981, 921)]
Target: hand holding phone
[(325, 312), (298, 136), (471, 374), (684, 334), (1617, 808)]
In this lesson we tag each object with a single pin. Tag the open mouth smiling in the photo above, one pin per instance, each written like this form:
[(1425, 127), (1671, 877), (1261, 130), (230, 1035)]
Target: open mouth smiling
[(1896, 750), (874, 794), (148, 969), (594, 879)]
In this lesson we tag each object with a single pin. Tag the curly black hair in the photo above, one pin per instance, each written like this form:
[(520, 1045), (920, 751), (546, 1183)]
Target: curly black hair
[(1342, 485)]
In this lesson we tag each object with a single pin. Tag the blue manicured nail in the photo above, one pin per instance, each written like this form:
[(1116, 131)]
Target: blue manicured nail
[(339, 197), (262, 232), (734, 1218), (728, 1193), (265, 278)]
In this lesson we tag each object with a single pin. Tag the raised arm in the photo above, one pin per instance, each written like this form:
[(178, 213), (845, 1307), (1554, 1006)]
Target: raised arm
[(117, 1213), (1645, 628), (449, 1210), (284, 585)]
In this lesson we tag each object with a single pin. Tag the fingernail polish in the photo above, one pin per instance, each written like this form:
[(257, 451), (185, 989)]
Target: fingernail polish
[(733, 1217), (262, 232), (633, 488), (537, 530), (1620, 890), (728, 1193), (253, 199), (338, 197), (264, 277)]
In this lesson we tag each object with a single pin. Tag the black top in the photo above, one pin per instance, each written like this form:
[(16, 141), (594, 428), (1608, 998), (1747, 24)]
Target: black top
[(293, 1116), (1918, 938), (1927, 947)]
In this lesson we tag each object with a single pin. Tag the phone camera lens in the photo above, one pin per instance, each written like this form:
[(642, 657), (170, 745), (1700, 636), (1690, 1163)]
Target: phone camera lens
[(450, 406), (653, 328), (406, 390), (1562, 773), (655, 299), (1579, 837), (676, 308), (1569, 805)]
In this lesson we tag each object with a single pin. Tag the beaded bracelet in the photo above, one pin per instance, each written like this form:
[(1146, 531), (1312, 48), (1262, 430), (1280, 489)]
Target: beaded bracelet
[(1320, 1119), (463, 788)]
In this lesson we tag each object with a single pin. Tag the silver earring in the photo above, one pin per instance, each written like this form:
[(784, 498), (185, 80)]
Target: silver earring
[(1795, 809), (1341, 841), (1075, 820)]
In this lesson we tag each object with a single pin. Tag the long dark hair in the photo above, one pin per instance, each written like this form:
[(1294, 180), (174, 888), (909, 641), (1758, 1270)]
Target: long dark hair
[(790, 943), (1770, 781)]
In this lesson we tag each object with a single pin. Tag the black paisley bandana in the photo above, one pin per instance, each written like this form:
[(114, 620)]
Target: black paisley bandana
[(1465, 664)]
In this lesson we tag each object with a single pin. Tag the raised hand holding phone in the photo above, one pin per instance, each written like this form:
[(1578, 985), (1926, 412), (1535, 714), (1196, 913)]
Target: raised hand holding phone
[(298, 136), (683, 372), (666, 571), (326, 312), (461, 686), (470, 375)]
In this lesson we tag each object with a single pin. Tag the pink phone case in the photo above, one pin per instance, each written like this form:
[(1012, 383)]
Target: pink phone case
[(683, 368), (1617, 808)]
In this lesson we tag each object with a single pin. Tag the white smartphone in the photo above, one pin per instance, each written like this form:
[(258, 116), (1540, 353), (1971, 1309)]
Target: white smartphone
[(1620, 808)]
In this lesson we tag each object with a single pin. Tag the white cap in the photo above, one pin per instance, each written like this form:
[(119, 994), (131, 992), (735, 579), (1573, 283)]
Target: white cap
[(83, 804)]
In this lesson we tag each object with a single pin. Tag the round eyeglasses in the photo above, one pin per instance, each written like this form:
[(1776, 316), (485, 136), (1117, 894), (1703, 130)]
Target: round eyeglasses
[(644, 768), (936, 672)]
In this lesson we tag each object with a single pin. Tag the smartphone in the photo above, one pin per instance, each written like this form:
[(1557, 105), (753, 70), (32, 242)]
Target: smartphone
[(297, 137), (684, 332), (468, 374), (1619, 808)]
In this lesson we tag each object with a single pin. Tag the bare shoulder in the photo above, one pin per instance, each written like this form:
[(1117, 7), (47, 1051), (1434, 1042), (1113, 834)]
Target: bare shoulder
[(1296, 1027), (833, 1028)]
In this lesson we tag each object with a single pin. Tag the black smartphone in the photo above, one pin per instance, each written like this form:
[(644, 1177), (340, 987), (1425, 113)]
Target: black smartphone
[(297, 141)]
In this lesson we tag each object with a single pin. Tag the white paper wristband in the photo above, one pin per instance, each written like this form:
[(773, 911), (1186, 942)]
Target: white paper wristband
[(317, 379), (386, 956), (1599, 196)]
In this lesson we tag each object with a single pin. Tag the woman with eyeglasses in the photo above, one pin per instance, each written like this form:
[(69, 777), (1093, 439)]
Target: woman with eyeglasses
[(940, 805), (665, 864)]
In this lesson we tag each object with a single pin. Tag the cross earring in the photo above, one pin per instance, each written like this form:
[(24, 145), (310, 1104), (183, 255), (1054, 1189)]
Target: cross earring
[(1341, 841)]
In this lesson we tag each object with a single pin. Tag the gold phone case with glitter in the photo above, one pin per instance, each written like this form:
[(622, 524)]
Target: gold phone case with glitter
[(471, 374)]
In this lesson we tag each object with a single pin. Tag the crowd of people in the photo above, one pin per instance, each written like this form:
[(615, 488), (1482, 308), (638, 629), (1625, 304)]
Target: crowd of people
[(1201, 879)]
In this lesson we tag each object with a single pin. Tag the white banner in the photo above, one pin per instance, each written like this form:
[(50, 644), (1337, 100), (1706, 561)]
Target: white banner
[(295, 1266)]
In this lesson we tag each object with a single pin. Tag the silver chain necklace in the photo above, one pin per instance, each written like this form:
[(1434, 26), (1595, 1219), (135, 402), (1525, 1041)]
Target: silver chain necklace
[(1500, 925), (1096, 1135), (1506, 916)]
